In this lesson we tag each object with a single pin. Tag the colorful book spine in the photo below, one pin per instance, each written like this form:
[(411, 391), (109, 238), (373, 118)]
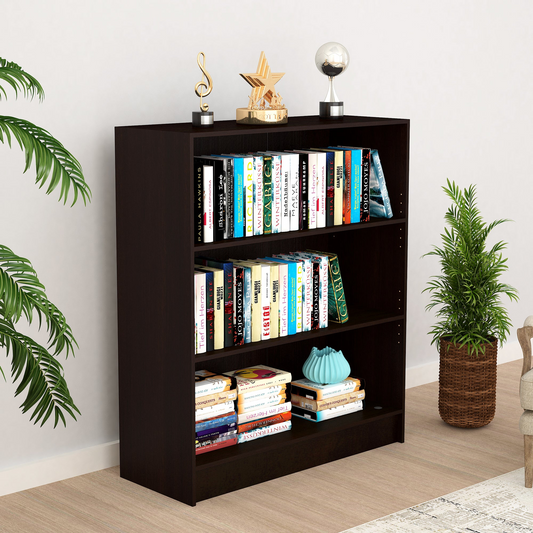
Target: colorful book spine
[(264, 431), (304, 191), (262, 422), (258, 195), (247, 304), (365, 186), (206, 441), (283, 300), (258, 377), (217, 421), (199, 200), (216, 445), (199, 312), (228, 192), (214, 410), (339, 188), (261, 393), (227, 268), (255, 298), (277, 192), (346, 210), (321, 405), (285, 192), (215, 433), (267, 194), (274, 300), (213, 399), (238, 197), (323, 288), (357, 161), (264, 413), (238, 308), (294, 206), (265, 301), (218, 304), (330, 189), (317, 391), (319, 416), (292, 295), (376, 161), (312, 198), (209, 310), (248, 164)]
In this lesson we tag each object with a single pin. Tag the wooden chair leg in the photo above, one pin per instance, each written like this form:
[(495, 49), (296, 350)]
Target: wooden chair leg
[(528, 460)]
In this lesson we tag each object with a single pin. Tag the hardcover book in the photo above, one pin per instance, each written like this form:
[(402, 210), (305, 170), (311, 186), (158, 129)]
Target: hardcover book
[(216, 445), (319, 416), (316, 391), (264, 413), (254, 405), (264, 431), (207, 382), (258, 377), (337, 309), (218, 304), (380, 205), (268, 421), (216, 421), (261, 393), (214, 410), (328, 403), (267, 194), (212, 399)]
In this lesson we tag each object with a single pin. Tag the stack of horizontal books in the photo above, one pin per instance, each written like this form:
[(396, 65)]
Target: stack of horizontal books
[(317, 402), (216, 419), (262, 407)]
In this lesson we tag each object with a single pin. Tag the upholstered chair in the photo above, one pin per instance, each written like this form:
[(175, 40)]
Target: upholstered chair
[(526, 397)]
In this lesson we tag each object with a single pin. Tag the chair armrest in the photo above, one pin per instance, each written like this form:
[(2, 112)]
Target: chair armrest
[(524, 338)]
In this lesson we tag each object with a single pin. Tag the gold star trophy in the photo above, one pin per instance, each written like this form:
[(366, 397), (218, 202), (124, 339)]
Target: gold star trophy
[(265, 105)]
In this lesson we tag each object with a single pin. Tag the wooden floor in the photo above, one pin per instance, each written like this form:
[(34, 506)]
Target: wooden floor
[(434, 460)]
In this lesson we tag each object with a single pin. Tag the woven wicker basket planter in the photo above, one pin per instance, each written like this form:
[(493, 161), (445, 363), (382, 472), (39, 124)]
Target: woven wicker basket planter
[(467, 385)]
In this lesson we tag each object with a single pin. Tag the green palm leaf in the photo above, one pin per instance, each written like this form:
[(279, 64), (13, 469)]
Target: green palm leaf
[(19, 80), (52, 160), (41, 374)]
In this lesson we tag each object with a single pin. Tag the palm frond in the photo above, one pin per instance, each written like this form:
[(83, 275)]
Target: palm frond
[(22, 293), (39, 372), (19, 80), (52, 159)]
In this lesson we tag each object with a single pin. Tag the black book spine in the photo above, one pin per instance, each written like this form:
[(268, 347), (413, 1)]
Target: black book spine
[(220, 202), (199, 202), (230, 186), (238, 317), (365, 185), (330, 188)]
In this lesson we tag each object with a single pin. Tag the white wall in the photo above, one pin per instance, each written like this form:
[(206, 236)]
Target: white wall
[(459, 70)]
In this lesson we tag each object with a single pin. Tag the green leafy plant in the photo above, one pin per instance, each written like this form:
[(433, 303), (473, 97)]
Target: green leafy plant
[(22, 295), (467, 291)]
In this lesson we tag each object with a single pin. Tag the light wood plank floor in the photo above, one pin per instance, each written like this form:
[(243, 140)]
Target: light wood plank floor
[(434, 460)]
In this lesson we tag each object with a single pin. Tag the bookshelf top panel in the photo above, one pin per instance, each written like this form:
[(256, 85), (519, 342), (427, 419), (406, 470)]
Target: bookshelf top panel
[(230, 127)]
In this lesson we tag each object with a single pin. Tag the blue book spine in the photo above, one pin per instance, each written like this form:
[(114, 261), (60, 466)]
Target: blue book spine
[(216, 422), (292, 274), (357, 161), (238, 202)]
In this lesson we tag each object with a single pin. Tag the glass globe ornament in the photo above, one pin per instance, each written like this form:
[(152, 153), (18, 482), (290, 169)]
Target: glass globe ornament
[(332, 59)]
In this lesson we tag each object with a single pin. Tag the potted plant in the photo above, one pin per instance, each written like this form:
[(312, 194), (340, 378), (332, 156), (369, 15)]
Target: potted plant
[(22, 295), (471, 317)]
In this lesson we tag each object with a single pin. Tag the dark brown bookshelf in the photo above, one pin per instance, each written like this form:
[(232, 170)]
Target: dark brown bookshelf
[(155, 262)]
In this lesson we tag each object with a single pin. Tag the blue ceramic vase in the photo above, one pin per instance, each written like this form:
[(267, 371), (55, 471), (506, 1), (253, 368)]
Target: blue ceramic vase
[(326, 366)]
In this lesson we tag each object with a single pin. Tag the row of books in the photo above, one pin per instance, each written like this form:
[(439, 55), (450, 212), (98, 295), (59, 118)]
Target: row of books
[(242, 301), (258, 408), (242, 195), (251, 403)]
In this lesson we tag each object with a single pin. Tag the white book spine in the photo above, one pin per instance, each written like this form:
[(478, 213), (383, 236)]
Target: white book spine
[(259, 403), (307, 306), (295, 193), (261, 393), (214, 410), (265, 301), (208, 213), (263, 413), (276, 194), (285, 192), (283, 300), (249, 196), (264, 431), (258, 195), (300, 289), (312, 191), (321, 190)]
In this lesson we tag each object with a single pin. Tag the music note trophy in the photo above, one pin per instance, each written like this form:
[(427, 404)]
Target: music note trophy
[(203, 117), (265, 105), (332, 59)]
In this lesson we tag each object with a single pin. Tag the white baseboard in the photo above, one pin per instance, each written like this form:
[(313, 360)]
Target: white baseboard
[(107, 455), (58, 468), (420, 375)]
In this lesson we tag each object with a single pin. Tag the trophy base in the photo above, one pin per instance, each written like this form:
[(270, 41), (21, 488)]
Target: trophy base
[(262, 116), (331, 109), (203, 118)]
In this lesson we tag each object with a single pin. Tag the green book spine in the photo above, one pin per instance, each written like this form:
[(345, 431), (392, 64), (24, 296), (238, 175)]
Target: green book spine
[(337, 310), (267, 194)]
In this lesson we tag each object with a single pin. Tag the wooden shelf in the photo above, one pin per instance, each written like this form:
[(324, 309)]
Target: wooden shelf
[(155, 261)]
